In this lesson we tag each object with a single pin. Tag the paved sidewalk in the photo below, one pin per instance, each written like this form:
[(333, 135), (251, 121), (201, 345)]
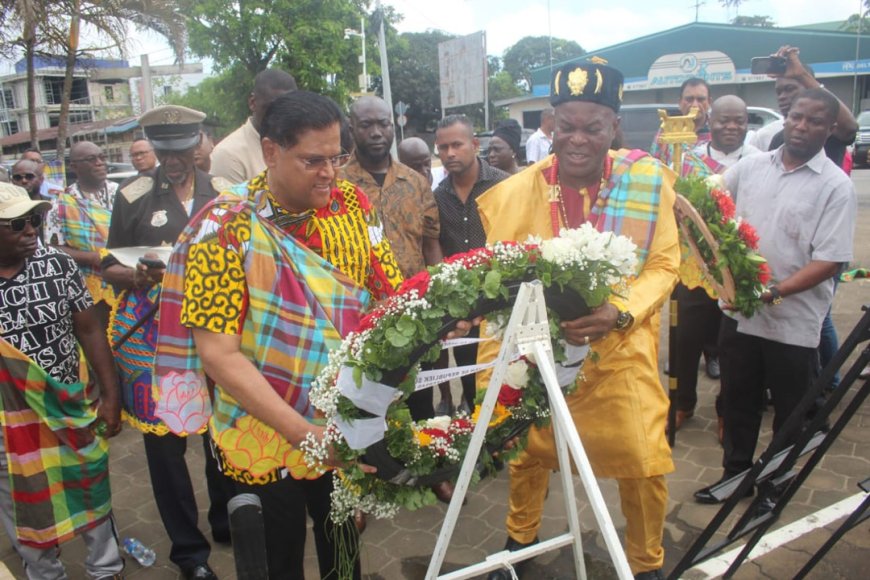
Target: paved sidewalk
[(401, 548)]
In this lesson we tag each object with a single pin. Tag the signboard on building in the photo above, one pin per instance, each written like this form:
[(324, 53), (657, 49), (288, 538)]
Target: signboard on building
[(671, 70), (462, 66)]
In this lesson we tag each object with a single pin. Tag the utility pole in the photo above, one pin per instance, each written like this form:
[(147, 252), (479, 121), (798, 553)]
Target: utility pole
[(385, 70)]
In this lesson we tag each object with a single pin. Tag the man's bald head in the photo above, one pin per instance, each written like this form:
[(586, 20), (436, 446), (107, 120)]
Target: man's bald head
[(729, 121), (88, 162), (414, 152)]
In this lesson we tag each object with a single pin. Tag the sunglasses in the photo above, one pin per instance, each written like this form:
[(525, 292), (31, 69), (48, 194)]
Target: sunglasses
[(319, 163), (18, 224), (23, 176)]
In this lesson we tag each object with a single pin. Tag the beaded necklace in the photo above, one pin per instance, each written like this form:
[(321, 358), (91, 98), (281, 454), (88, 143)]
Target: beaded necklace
[(558, 212)]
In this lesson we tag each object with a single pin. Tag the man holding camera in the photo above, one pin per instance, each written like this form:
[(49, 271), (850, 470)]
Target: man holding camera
[(788, 85)]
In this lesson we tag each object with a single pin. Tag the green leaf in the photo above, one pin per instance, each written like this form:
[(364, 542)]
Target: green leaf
[(492, 284), (396, 338)]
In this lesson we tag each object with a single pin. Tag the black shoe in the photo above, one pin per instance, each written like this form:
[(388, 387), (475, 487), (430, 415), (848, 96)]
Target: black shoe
[(706, 496), (650, 575), (199, 572), (512, 546), (713, 368), (764, 507)]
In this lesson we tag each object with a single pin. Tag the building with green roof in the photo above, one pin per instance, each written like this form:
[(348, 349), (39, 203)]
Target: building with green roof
[(655, 65)]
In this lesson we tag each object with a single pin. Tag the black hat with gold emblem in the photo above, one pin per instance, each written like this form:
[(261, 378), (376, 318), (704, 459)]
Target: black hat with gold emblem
[(591, 81), (172, 128)]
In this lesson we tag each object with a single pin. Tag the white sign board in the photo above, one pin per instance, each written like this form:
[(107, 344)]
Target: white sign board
[(671, 70), (462, 64)]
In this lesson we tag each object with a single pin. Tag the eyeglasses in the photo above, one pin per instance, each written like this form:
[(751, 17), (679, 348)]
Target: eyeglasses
[(23, 176), (318, 163), (91, 159), (18, 224)]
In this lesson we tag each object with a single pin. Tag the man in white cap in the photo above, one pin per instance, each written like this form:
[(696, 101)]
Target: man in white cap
[(152, 210), (54, 478)]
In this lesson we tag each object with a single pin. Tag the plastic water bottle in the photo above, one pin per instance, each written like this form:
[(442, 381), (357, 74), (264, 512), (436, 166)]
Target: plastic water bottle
[(143, 554)]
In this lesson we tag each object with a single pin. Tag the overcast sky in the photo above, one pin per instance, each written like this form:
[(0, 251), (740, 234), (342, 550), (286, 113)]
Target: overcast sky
[(594, 25), (598, 24)]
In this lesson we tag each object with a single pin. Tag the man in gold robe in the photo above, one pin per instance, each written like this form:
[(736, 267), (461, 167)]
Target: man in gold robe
[(620, 406)]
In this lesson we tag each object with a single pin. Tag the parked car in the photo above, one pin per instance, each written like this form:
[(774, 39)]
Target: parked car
[(640, 123), (862, 140), (761, 116)]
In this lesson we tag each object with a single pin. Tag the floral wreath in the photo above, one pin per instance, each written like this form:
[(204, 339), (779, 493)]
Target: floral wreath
[(725, 247), (363, 390)]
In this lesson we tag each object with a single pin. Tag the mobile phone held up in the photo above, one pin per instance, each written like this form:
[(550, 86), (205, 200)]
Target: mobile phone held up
[(768, 65), (152, 262)]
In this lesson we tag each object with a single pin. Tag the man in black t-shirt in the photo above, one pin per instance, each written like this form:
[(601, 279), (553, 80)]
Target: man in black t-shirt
[(45, 313)]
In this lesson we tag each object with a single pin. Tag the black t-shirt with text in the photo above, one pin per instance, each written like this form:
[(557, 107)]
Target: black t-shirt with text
[(36, 308)]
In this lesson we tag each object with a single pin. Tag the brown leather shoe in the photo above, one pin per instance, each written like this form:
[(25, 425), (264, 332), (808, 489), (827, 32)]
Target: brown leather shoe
[(359, 521), (444, 491), (682, 417)]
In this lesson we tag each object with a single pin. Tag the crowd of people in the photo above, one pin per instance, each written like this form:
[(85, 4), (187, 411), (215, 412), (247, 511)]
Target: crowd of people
[(294, 225)]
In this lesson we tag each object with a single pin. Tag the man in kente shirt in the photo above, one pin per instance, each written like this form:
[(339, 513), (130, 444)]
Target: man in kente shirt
[(263, 284), (620, 406)]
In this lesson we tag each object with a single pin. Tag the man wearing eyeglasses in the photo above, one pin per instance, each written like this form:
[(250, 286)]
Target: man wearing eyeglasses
[(152, 210), (265, 284), (78, 222), (52, 451), (142, 155)]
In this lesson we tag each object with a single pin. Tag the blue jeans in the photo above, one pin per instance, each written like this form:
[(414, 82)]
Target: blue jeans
[(829, 343)]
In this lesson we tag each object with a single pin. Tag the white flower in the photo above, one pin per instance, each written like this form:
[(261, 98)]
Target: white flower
[(441, 422), (517, 375), (715, 181)]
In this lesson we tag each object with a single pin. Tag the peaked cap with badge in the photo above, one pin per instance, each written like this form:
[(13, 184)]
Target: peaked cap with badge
[(172, 127), (591, 81)]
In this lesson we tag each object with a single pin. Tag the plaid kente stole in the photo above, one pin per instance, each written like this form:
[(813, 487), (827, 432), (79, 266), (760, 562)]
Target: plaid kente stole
[(58, 469), (299, 308), (629, 203), (86, 227)]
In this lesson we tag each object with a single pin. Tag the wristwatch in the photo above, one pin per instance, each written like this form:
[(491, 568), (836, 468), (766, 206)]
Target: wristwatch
[(775, 296), (624, 320)]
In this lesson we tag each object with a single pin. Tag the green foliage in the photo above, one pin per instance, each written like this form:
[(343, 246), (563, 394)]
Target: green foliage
[(757, 20), (303, 37), (223, 98), (414, 75), (533, 52)]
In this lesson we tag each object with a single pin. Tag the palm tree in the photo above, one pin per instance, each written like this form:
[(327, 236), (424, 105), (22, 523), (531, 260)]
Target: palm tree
[(23, 15), (53, 27), (110, 20)]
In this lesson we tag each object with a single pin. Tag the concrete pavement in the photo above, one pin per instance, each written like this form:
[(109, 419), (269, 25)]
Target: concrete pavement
[(401, 548)]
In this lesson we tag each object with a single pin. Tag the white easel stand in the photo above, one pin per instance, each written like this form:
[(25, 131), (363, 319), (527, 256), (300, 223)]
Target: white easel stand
[(528, 332)]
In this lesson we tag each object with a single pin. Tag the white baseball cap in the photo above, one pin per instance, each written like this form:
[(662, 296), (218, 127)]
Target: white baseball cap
[(14, 202)]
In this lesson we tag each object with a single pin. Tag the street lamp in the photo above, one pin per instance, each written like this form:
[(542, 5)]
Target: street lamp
[(348, 32)]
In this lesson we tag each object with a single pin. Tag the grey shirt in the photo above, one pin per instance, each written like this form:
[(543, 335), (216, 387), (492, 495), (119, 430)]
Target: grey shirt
[(801, 215)]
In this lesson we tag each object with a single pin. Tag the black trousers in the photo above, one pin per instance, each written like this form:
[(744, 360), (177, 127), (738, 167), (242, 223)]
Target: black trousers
[(173, 493), (464, 356), (699, 319), (751, 364), (285, 504)]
